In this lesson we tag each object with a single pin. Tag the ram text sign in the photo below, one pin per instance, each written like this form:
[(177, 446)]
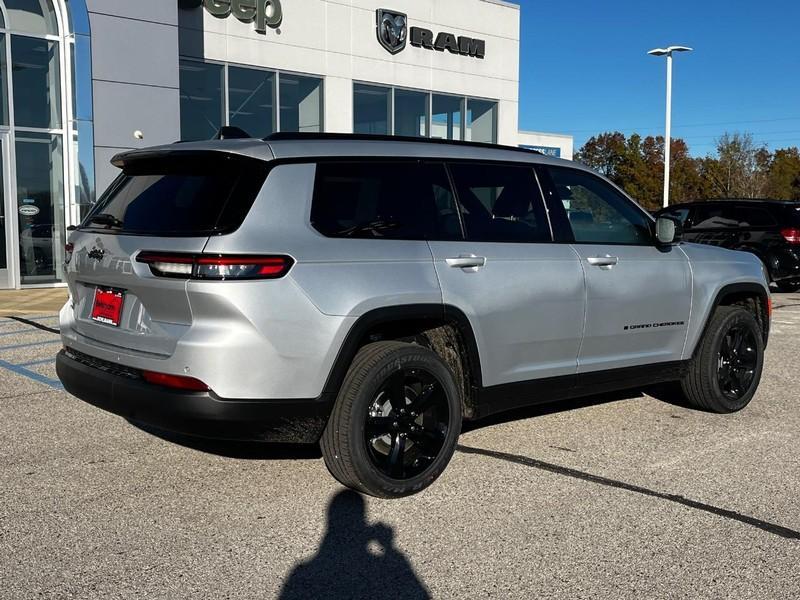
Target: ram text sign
[(393, 31)]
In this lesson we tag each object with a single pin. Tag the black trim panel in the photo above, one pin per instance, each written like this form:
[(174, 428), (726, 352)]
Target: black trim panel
[(201, 414), (500, 398)]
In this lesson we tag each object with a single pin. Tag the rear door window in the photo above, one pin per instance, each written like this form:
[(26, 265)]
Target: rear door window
[(720, 216), (753, 216), (401, 200), (179, 196), (500, 203)]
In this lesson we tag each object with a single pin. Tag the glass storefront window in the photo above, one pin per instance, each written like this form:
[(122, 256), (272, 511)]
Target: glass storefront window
[(40, 185), (37, 82), (372, 109), (32, 16), (251, 101), (411, 113), (481, 121), (3, 80), (446, 117), (201, 100), (301, 103), (83, 139)]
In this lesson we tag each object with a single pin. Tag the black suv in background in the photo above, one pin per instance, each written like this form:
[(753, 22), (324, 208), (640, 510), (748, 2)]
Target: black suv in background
[(770, 229)]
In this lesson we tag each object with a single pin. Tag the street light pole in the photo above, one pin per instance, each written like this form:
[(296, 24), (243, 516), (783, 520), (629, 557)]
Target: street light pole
[(668, 130)]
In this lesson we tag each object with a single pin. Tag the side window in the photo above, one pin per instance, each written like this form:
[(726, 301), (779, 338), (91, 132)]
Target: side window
[(679, 214), (500, 203), (597, 212), (721, 216), (403, 200), (754, 216)]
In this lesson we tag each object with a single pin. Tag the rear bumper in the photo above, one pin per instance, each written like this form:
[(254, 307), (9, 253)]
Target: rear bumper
[(200, 414)]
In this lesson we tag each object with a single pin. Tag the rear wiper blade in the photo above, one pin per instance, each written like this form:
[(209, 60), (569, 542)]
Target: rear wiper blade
[(105, 219)]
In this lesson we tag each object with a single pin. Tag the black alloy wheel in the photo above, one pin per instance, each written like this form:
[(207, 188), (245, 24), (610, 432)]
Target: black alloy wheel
[(406, 426), (738, 360), (396, 420), (726, 368)]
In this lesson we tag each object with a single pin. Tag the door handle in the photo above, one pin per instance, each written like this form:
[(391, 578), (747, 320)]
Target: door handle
[(603, 261), (466, 262)]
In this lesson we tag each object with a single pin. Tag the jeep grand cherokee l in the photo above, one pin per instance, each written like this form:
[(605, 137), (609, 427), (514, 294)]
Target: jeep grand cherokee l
[(370, 294)]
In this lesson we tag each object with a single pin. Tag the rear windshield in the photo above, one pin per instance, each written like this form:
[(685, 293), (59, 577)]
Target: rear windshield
[(179, 196)]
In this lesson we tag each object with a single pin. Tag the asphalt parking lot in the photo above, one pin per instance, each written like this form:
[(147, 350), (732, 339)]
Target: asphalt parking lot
[(614, 497)]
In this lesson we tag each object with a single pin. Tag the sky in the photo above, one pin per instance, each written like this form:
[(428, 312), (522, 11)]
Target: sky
[(585, 69)]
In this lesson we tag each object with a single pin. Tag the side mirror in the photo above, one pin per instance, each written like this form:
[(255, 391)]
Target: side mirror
[(668, 231)]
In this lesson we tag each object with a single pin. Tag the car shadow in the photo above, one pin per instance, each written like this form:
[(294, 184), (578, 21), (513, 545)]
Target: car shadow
[(355, 560), (549, 408), (274, 451), (235, 449)]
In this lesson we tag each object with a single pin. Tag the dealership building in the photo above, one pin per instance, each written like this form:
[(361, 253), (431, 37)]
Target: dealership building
[(82, 80)]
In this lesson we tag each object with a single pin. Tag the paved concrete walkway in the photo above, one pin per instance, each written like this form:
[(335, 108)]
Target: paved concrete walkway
[(32, 301)]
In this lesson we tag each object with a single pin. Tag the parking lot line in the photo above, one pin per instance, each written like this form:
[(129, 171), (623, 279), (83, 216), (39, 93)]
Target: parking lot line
[(21, 370), (34, 363)]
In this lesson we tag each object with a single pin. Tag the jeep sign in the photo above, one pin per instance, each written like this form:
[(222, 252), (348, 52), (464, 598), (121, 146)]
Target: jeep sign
[(264, 13)]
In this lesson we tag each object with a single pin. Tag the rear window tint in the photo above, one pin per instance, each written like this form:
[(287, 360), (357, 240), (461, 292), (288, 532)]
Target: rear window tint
[(405, 200), (186, 196)]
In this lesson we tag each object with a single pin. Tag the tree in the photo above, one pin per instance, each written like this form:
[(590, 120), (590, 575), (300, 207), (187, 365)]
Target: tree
[(603, 153), (740, 168), (783, 177)]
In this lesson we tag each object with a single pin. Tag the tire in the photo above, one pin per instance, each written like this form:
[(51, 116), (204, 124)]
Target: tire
[(726, 369), (788, 286), (399, 404)]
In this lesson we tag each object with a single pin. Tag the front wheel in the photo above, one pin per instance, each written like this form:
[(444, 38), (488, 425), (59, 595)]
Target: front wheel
[(726, 369), (395, 423)]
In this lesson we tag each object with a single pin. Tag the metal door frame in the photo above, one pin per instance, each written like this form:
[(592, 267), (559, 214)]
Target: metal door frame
[(9, 277)]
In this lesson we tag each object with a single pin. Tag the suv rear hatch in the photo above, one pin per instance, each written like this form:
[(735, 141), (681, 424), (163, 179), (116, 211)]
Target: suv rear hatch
[(163, 202)]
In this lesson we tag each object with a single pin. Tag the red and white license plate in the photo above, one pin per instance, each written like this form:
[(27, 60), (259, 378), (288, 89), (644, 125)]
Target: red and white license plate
[(107, 306)]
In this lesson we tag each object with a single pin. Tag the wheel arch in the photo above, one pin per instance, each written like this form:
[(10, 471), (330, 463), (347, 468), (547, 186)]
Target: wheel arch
[(445, 329), (751, 296)]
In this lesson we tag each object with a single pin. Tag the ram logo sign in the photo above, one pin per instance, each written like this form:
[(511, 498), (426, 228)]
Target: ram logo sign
[(393, 31)]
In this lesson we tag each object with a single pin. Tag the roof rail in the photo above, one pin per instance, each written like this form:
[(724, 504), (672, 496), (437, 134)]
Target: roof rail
[(364, 137)]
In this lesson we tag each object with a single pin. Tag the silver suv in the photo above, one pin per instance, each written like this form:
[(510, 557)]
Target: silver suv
[(369, 294)]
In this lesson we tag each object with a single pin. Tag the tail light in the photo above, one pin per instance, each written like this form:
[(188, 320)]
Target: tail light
[(791, 235), (215, 267), (176, 382)]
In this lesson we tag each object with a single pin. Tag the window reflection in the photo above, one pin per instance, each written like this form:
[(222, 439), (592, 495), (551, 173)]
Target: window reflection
[(40, 187), (32, 16), (410, 113), (481, 121), (37, 82), (301, 103), (372, 106), (251, 101), (446, 117), (201, 100)]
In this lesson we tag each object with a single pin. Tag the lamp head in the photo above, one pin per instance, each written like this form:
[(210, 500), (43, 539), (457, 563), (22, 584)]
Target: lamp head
[(669, 50)]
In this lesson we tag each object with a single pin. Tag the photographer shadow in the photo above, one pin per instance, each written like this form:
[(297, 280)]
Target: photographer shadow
[(354, 560)]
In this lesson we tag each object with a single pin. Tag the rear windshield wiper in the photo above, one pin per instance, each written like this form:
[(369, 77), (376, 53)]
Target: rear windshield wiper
[(375, 227), (106, 219)]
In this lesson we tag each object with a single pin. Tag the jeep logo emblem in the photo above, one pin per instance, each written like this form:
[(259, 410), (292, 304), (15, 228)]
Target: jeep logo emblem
[(392, 30), (264, 13)]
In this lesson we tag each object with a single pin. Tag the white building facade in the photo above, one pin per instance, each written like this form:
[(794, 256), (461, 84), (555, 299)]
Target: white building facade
[(87, 79)]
